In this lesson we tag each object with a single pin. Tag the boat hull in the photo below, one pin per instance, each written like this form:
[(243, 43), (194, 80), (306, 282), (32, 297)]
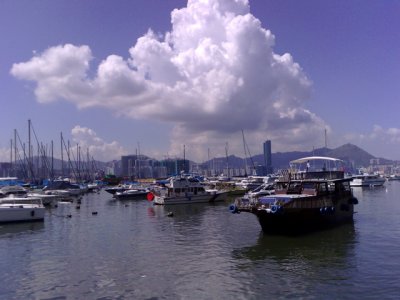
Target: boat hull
[(303, 220), (130, 196), (21, 213), (207, 198)]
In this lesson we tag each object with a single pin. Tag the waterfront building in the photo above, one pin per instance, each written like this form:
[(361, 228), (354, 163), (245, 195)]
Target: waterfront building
[(268, 157)]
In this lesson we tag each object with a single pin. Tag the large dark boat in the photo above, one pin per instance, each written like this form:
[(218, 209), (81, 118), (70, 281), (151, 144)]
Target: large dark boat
[(315, 198)]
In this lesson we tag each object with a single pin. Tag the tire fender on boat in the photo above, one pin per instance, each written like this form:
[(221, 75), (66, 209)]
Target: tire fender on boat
[(233, 209)]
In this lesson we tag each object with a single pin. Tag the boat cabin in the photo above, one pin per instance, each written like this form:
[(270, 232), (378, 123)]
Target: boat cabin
[(313, 187), (183, 186)]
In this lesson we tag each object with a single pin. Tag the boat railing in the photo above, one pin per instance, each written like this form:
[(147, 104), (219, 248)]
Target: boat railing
[(20, 200), (326, 175)]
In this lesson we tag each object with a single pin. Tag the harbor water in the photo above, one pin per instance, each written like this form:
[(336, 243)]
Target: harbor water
[(113, 249)]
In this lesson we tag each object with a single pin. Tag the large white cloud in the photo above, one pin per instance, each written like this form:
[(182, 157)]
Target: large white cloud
[(214, 74)]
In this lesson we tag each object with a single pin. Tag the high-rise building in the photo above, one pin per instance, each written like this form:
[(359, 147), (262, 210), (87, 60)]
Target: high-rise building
[(268, 157)]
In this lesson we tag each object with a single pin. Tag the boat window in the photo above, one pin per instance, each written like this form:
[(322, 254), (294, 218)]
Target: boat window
[(346, 186), (308, 185), (322, 188)]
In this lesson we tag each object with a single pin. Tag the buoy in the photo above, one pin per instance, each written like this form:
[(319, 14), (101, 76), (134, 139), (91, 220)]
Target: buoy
[(94, 212), (78, 207), (150, 196), (170, 214), (69, 216)]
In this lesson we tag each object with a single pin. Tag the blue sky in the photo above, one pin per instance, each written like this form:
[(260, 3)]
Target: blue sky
[(154, 75)]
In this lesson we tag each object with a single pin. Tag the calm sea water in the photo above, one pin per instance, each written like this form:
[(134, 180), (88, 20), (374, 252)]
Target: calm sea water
[(133, 250)]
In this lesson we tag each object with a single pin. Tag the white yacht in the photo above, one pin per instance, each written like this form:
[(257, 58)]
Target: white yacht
[(183, 190), (21, 209), (367, 180)]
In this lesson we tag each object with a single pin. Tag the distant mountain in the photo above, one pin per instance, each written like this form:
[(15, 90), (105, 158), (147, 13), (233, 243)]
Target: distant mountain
[(351, 154)]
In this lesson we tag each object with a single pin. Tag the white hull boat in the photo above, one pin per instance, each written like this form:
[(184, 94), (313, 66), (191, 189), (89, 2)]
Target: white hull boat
[(367, 180), (185, 190), (14, 209)]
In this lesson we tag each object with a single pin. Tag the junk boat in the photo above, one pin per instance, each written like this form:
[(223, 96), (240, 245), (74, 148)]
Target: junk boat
[(305, 200), (183, 190)]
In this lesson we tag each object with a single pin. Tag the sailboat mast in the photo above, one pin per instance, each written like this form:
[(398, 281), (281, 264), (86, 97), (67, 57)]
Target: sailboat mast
[(29, 151), (227, 159), (62, 156), (245, 156)]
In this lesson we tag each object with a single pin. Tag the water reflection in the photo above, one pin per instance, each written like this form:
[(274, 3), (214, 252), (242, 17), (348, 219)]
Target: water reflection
[(326, 245), (14, 228), (181, 211)]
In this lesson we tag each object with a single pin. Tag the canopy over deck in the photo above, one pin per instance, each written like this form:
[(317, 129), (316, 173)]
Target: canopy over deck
[(311, 158)]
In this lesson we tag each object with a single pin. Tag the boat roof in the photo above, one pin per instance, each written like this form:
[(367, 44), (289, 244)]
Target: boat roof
[(306, 159)]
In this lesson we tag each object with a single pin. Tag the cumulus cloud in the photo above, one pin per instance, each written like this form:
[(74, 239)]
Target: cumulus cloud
[(377, 140), (213, 74), (99, 149)]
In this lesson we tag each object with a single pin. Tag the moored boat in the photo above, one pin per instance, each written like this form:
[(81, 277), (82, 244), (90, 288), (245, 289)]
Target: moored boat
[(21, 209), (304, 200), (184, 190), (133, 193), (367, 180)]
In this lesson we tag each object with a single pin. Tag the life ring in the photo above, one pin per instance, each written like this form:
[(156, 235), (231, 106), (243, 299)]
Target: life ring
[(274, 208)]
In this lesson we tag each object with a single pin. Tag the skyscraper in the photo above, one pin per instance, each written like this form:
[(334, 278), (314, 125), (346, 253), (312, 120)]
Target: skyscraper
[(268, 157)]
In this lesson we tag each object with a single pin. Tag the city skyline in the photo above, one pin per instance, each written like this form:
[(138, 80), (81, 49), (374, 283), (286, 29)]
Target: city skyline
[(156, 75)]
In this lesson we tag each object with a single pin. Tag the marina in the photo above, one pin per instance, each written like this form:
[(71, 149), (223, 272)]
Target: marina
[(133, 250), (199, 149)]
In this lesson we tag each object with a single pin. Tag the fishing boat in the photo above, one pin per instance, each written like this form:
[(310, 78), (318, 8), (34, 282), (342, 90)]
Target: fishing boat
[(21, 209), (183, 190), (305, 200)]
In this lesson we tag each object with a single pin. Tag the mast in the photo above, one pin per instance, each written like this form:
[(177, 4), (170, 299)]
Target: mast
[(62, 157), (29, 151), (227, 159), (11, 158), (245, 156), (184, 159), (15, 152), (52, 160)]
